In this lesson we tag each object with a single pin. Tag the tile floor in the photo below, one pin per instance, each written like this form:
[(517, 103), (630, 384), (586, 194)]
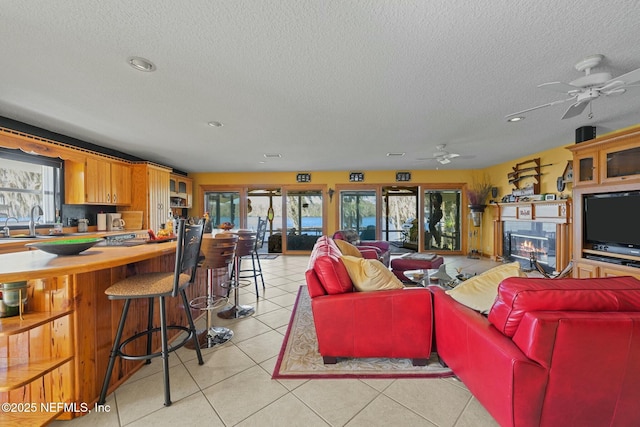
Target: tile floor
[(234, 386)]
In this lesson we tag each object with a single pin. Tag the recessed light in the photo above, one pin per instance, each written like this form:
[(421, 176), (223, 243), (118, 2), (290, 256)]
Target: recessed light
[(215, 124), (395, 154), (272, 155), (141, 64), (515, 119)]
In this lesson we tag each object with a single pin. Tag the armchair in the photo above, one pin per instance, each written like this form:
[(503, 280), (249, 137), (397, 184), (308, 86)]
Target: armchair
[(373, 249)]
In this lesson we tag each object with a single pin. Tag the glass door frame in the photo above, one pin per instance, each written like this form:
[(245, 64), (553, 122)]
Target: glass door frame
[(377, 189), (322, 189)]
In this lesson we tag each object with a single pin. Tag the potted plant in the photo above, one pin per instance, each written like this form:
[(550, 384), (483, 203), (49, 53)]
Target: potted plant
[(477, 195)]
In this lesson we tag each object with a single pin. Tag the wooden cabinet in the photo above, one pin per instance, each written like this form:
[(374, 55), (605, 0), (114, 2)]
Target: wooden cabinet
[(609, 164), (150, 194), (98, 181), (181, 191), (38, 353)]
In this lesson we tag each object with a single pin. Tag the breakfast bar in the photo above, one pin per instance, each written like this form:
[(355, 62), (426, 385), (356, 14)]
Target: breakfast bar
[(53, 360)]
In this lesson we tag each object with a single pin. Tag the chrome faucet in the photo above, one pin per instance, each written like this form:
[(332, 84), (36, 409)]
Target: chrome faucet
[(6, 231), (32, 220)]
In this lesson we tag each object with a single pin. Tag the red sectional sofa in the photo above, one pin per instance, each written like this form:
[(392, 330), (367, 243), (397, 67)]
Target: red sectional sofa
[(552, 352), (390, 323)]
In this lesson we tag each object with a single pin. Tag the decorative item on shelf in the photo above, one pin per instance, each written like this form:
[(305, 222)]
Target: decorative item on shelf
[(303, 177), (478, 193), (566, 178), (356, 176), (525, 170), (403, 176)]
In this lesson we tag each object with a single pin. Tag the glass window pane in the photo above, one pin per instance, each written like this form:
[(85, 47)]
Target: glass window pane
[(400, 213), (26, 183), (442, 218), (223, 207), (304, 219), (358, 212)]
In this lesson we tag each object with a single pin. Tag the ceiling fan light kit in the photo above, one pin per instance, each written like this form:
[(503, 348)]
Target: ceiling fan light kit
[(585, 89)]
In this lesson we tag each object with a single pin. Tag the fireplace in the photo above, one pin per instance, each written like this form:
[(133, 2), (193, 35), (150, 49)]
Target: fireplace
[(539, 231), (527, 242)]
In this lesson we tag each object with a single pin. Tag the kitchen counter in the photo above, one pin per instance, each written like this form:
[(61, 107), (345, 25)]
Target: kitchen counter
[(60, 349), (17, 244)]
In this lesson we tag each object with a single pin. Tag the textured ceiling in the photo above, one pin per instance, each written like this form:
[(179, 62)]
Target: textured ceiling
[(330, 85)]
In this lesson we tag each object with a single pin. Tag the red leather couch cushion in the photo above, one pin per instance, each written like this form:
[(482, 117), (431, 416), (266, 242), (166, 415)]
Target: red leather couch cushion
[(328, 268), (519, 295)]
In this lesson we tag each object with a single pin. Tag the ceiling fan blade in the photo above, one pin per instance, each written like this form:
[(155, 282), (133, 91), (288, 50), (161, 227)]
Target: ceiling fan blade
[(611, 85), (559, 87), (575, 110), (629, 78), (540, 106), (452, 155), (444, 160)]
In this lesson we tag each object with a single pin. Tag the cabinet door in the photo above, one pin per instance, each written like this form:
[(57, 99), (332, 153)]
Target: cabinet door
[(585, 168), (158, 197), (608, 271), (97, 179), (583, 270), (120, 184), (621, 164)]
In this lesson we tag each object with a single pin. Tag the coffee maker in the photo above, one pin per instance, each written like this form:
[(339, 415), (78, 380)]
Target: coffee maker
[(115, 222)]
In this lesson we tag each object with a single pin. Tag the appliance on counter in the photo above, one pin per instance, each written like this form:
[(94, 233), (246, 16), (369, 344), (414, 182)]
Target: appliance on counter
[(115, 222), (83, 225)]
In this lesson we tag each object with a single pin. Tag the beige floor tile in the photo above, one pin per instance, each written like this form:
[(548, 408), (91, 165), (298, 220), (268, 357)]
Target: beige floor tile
[(95, 419), (275, 319), (218, 366), (474, 415), (145, 396), (336, 401), (242, 395), (262, 347), (193, 410), (285, 411), (285, 300), (386, 412), (438, 401)]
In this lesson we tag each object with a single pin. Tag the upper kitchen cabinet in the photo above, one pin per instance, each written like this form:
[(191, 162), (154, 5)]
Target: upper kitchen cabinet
[(151, 194), (97, 181), (181, 191)]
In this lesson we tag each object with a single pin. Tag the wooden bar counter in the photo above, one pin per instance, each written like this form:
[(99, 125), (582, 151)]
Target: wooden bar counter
[(53, 361)]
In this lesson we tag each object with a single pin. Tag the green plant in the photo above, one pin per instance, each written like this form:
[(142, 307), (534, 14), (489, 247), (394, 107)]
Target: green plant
[(479, 190)]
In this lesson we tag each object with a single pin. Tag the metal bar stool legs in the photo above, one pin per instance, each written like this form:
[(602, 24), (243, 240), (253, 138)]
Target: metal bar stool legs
[(236, 311), (212, 335)]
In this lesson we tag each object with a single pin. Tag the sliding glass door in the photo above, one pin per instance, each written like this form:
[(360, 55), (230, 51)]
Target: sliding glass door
[(400, 215), (442, 216), (304, 219), (358, 212), (223, 206)]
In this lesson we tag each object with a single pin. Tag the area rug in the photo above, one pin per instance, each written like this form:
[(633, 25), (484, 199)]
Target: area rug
[(299, 357)]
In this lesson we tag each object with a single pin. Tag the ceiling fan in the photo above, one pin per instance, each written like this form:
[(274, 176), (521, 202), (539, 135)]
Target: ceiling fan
[(442, 156), (585, 89)]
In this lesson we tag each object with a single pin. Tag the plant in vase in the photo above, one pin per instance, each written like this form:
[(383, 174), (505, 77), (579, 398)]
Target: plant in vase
[(477, 194)]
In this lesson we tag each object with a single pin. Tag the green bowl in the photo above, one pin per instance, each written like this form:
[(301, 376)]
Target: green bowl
[(66, 247)]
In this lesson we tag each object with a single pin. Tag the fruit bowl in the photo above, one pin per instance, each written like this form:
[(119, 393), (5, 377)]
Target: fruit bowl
[(66, 247), (226, 226)]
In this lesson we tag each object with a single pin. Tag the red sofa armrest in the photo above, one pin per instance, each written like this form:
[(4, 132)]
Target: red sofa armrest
[(395, 323)]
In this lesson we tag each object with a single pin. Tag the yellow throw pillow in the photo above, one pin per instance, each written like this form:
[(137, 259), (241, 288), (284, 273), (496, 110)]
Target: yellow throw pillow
[(347, 248), (370, 274), (479, 292)]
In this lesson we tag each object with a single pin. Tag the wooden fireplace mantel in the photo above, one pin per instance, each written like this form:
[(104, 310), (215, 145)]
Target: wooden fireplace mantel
[(552, 211)]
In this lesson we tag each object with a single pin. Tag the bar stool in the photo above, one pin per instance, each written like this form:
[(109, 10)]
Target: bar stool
[(246, 242), (253, 272), (158, 285), (219, 253)]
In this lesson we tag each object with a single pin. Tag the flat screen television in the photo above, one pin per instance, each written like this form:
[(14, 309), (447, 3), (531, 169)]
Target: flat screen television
[(611, 222)]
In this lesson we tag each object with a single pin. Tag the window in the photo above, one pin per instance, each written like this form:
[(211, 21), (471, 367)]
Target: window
[(27, 180), (358, 212)]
